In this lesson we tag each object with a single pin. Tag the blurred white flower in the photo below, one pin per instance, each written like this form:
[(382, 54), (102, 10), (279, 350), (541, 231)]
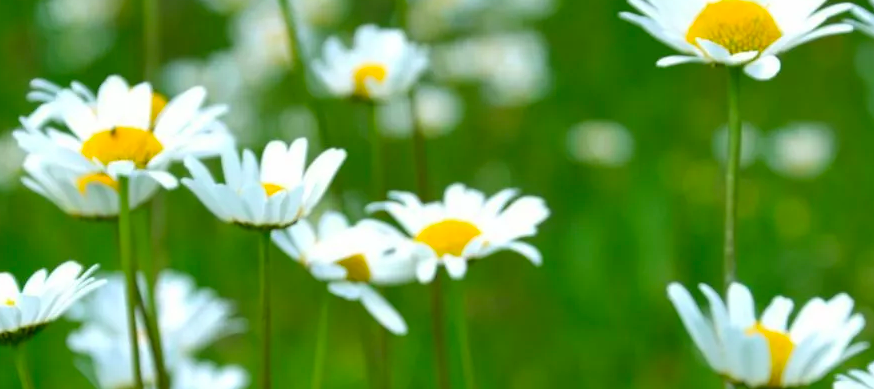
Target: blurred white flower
[(11, 160), (205, 375), (513, 67), (439, 110), (429, 19), (261, 43), (190, 319), (382, 64), (78, 31), (801, 150), (750, 144), (602, 143)]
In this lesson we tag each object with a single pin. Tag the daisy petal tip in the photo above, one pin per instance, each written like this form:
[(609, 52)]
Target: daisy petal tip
[(764, 69)]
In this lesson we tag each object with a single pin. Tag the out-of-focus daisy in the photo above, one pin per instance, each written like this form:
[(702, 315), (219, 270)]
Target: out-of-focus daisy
[(77, 32), (88, 196), (381, 64), (749, 33), (44, 297), (275, 194), (127, 131), (865, 22), (767, 351), (190, 319), (801, 150), (749, 149), (465, 226), (601, 143), (438, 111), (204, 375), (11, 159), (352, 258)]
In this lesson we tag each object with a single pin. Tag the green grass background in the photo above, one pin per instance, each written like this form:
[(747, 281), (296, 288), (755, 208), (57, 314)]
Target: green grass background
[(595, 315)]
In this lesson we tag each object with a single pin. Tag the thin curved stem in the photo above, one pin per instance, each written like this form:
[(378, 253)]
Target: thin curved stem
[(321, 343), (438, 328), (21, 365), (264, 252), (127, 263), (377, 165), (459, 318), (731, 174), (149, 305), (151, 39)]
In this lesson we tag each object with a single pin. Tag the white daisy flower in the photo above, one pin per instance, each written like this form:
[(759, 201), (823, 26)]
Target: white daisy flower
[(802, 150), (768, 351), (204, 375), (44, 298), (856, 379), (865, 22), (91, 195), (352, 258), (124, 126), (381, 64), (601, 143), (189, 320), (271, 196), (749, 33), (465, 226)]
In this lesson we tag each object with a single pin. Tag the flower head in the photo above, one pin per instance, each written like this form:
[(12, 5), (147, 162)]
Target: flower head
[(382, 64), (749, 33), (271, 196), (352, 258), (465, 225), (44, 298), (767, 351)]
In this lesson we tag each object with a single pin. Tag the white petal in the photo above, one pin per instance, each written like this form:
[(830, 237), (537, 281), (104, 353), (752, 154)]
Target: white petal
[(764, 68)]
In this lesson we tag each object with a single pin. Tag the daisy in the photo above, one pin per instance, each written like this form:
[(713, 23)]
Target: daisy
[(45, 297), (856, 379), (749, 33), (128, 126), (83, 195), (271, 196), (352, 258), (204, 375), (465, 226), (381, 64), (190, 319), (865, 22), (768, 351)]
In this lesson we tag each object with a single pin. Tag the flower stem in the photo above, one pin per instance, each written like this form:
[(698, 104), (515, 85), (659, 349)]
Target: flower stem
[(321, 343), (150, 307), (130, 269), (438, 328), (731, 174), (154, 341), (21, 365), (377, 168), (459, 317), (264, 253), (151, 39)]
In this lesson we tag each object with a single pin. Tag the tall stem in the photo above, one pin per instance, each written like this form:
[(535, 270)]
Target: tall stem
[(151, 39), (127, 263), (154, 341), (21, 365), (438, 328), (459, 318), (731, 174), (264, 253), (377, 167), (321, 343), (150, 304)]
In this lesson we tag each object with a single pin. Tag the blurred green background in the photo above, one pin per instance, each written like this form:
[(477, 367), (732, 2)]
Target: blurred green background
[(623, 225)]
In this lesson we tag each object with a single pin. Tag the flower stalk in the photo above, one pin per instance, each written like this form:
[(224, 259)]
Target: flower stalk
[(731, 175), (127, 263), (264, 254), (321, 343), (21, 365)]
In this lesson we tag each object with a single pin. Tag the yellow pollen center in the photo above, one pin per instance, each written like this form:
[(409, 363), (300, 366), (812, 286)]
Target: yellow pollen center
[(159, 102), (272, 189), (448, 236), (95, 178), (781, 348), (737, 25), (356, 268), (10, 302), (123, 144), (368, 71)]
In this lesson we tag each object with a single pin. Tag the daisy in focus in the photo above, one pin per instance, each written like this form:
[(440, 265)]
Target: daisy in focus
[(464, 226), (352, 258), (123, 130), (273, 195), (45, 297), (856, 379), (190, 319), (768, 351), (381, 64), (749, 33)]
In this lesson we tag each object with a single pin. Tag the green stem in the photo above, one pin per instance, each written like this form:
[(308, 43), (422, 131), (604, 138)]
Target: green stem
[(154, 341), (731, 174), (294, 45), (21, 365), (441, 363), (150, 307), (377, 167), (127, 263), (321, 343), (151, 39), (264, 252), (420, 157), (459, 316)]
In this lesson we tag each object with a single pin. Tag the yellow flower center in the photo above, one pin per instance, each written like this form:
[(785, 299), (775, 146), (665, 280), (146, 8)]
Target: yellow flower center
[(10, 302), (159, 102), (737, 25), (781, 348), (448, 236), (94, 178), (368, 71), (356, 268), (272, 189), (123, 144)]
